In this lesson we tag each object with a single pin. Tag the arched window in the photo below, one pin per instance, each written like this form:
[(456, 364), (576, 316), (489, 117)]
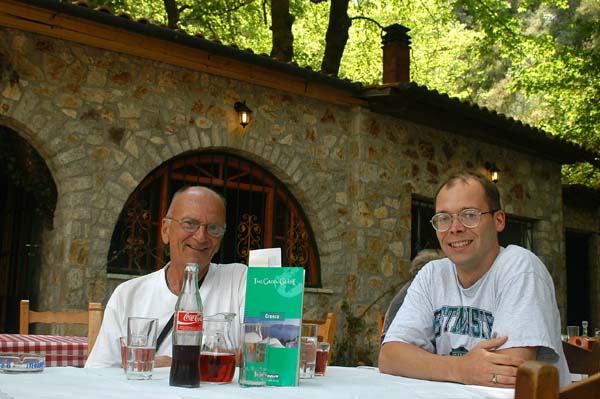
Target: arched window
[(27, 204), (261, 213)]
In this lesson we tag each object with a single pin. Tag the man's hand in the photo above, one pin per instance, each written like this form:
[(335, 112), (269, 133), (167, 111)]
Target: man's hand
[(477, 367), (482, 365), (162, 361)]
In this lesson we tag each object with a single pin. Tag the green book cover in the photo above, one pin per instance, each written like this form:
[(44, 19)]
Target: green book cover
[(274, 297)]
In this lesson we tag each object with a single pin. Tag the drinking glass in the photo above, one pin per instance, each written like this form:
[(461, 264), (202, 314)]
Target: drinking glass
[(253, 365), (308, 350), (572, 331), (141, 345), (123, 343), (322, 357)]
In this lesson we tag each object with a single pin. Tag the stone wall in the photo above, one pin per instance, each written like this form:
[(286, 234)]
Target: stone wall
[(102, 121)]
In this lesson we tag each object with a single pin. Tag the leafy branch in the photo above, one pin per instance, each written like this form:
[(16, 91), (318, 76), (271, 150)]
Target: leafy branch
[(355, 347)]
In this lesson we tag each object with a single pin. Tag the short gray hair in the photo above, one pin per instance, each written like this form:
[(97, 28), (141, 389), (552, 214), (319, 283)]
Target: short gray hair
[(423, 257)]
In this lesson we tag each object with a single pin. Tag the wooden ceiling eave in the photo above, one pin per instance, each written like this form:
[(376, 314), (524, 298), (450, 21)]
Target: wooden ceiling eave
[(59, 25)]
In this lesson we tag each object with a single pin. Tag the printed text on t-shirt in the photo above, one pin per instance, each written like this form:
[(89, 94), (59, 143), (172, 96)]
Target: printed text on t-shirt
[(463, 320)]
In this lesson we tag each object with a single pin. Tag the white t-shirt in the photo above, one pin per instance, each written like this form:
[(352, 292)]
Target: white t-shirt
[(223, 290), (515, 298)]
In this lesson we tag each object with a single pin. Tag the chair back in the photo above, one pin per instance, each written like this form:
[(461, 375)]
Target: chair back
[(380, 321), (588, 388), (92, 318), (581, 360), (536, 380), (326, 329)]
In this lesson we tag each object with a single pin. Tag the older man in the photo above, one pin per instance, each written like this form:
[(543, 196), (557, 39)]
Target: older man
[(475, 316), (193, 229)]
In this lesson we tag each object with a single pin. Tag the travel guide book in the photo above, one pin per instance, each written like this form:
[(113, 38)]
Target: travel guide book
[(274, 297)]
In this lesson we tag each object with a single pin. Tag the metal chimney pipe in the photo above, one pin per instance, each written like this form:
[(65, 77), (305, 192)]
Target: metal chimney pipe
[(396, 54)]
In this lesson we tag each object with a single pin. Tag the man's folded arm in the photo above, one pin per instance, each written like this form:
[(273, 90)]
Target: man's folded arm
[(482, 365), (399, 358)]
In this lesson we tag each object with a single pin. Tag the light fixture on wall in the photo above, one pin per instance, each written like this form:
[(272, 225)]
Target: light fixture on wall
[(244, 113), (493, 171)]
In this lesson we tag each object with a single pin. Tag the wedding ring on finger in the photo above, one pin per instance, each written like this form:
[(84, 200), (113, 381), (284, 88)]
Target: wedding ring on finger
[(494, 378)]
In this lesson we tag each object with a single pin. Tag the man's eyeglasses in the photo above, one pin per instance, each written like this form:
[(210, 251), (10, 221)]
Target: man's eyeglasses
[(469, 218), (192, 226)]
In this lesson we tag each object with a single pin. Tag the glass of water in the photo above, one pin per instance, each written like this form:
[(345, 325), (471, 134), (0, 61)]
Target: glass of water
[(141, 347), (308, 350)]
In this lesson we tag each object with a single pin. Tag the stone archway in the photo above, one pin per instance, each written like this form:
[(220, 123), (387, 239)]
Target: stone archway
[(27, 204)]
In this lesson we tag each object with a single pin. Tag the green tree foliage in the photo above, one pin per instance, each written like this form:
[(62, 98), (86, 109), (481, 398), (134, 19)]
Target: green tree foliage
[(537, 61)]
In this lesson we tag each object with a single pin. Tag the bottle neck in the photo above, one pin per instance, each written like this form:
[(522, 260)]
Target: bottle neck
[(190, 279), (176, 281)]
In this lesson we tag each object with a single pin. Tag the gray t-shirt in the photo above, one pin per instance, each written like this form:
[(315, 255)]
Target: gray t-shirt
[(515, 298)]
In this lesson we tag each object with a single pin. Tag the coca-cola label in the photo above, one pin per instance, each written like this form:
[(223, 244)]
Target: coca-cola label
[(189, 321)]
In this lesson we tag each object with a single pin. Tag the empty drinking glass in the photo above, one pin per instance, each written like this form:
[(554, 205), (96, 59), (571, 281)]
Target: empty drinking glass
[(572, 331)]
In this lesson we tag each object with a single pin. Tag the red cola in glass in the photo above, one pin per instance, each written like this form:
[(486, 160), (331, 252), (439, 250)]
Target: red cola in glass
[(217, 356), (322, 357), (217, 367)]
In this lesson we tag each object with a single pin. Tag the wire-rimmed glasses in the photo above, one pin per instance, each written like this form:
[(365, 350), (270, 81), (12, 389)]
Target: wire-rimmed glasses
[(469, 218), (192, 226)]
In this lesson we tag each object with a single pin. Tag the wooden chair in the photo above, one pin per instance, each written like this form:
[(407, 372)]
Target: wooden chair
[(92, 318), (584, 389), (581, 360), (380, 321), (537, 380), (326, 331)]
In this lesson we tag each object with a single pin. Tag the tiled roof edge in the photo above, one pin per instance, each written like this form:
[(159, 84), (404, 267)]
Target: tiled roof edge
[(481, 113)]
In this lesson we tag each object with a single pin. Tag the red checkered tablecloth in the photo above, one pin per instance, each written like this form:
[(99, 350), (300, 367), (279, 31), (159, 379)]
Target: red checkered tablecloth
[(59, 351)]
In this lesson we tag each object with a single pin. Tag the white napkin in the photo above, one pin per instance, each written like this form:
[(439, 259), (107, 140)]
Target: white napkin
[(267, 257)]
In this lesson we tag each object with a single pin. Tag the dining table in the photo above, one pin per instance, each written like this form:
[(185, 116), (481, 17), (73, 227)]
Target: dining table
[(57, 350), (338, 382)]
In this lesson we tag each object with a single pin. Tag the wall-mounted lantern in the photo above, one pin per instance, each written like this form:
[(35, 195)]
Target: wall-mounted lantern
[(244, 113), (493, 171)]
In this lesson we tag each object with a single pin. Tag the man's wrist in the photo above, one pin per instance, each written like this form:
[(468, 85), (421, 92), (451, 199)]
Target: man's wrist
[(452, 365)]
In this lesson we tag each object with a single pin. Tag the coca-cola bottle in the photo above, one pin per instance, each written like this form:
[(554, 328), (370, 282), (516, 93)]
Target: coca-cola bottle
[(187, 332)]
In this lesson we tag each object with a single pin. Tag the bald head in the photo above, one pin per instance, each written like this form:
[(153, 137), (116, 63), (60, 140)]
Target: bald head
[(197, 192), (188, 228)]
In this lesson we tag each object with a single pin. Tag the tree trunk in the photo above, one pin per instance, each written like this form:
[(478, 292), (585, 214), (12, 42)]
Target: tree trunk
[(281, 26), (172, 13), (337, 36)]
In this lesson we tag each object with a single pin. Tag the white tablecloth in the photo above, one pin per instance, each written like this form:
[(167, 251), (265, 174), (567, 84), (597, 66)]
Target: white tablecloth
[(339, 382)]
